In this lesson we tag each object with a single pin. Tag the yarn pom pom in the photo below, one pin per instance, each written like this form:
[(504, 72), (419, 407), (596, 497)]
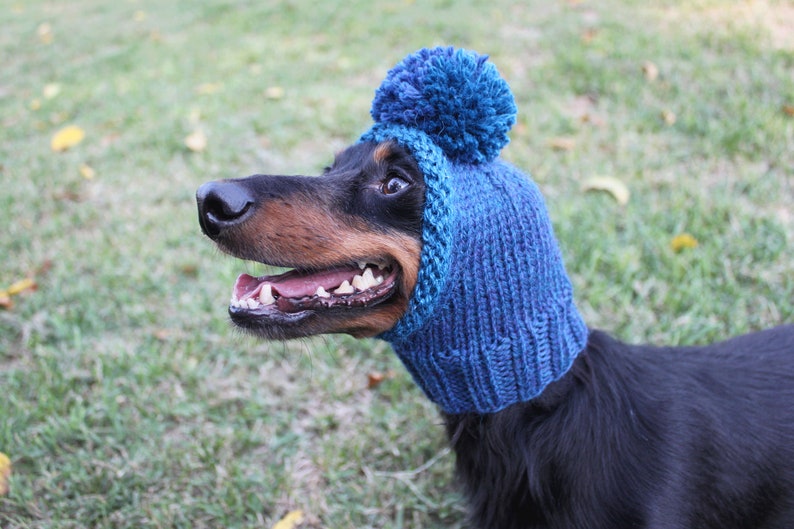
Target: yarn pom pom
[(454, 96)]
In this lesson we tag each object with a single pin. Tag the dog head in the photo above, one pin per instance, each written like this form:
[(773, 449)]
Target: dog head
[(352, 237)]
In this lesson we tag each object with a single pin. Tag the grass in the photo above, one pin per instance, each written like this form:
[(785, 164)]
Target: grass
[(128, 400)]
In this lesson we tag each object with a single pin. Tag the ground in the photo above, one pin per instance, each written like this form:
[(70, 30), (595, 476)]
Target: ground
[(128, 399)]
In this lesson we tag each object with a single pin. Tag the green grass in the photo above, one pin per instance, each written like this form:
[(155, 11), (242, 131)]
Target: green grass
[(128, 402)]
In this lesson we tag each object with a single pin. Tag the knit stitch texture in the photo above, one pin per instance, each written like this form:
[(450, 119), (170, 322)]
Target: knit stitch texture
[(491, 321)]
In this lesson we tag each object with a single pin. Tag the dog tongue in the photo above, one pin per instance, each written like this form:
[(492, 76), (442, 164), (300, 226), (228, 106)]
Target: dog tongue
[(294, 284)]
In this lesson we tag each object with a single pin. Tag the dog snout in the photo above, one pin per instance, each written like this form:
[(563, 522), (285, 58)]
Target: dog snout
[(222, 205)]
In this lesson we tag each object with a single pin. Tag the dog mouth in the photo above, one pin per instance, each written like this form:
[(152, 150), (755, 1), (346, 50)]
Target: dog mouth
[(294, 294)]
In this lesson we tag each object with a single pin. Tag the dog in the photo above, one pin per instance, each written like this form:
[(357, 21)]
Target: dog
[(631, 437), (621, 436)]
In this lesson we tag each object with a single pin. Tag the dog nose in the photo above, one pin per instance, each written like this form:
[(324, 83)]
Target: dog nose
[(222, 205)]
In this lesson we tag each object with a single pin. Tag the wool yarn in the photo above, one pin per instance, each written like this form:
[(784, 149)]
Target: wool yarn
[(491, 321)]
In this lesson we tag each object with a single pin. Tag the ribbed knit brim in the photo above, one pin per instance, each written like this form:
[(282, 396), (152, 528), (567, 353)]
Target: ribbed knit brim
[(491, 321), (437, 224)]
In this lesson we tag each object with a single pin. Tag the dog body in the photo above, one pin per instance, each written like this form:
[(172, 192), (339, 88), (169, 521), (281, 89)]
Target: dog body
[(630, 437), (642, 437)]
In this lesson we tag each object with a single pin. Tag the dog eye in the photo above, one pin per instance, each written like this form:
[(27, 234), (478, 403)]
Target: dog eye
[(393, 185)]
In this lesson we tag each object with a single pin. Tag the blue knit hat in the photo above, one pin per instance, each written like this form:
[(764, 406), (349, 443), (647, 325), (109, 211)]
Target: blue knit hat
[(491, 321)]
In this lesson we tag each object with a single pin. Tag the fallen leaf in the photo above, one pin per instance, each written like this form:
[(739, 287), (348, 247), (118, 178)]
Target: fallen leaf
[(66, 138), (613, 186), (196, 141), (290, 521), (668, 117), (562, 143), (650, 71), (44, 31), (683, 241), (16, 288), (20, 286), (87, 172), (374, 379), (51, 90), (5, 473), (788, 110), (274, 92)]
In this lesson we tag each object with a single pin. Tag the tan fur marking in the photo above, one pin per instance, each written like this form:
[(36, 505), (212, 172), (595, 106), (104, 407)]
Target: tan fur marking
[(379, 320), (382, 152), (303, 233)]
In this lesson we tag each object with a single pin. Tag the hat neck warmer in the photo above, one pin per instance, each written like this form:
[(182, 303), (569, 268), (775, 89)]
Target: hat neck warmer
[(491, 321)]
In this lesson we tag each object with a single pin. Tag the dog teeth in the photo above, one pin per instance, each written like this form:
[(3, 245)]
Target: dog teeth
[(365, 280), (266, 295), (363, 265), (345, 288), (359, 283), (369, 278)]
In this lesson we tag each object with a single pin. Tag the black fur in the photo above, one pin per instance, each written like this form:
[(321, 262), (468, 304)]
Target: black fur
[(642, 437), (358, 178)]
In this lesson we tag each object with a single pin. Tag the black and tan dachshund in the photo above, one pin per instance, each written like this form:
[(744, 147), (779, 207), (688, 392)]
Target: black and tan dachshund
[(631, 437)]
